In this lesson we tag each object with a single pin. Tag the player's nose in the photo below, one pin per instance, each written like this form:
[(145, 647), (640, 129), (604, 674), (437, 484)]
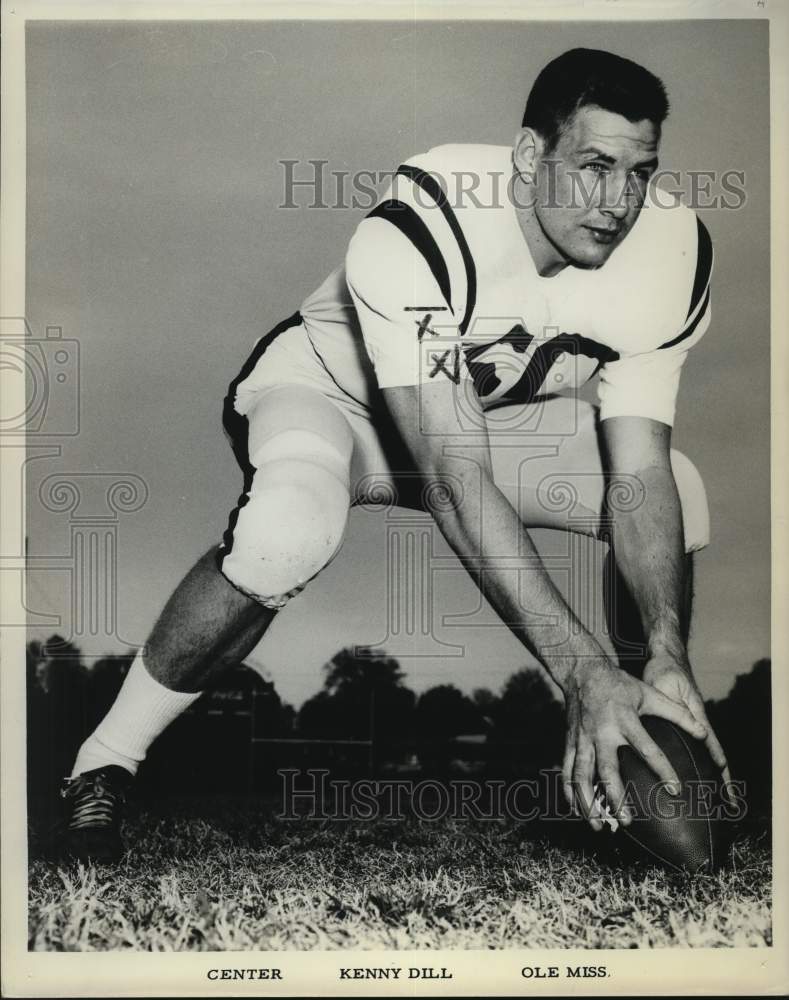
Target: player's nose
[(613, 204), (614, 209)]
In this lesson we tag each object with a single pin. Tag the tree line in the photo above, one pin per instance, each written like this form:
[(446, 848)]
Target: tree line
[(364, 718)]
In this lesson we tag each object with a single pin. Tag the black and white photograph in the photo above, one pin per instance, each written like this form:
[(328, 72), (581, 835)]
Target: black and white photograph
[(391, 562)]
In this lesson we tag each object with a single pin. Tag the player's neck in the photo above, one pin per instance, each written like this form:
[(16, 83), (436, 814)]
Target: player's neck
[(548, 259)]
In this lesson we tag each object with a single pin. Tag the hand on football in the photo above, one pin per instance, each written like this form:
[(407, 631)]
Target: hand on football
[(673, 678), (603, 708)]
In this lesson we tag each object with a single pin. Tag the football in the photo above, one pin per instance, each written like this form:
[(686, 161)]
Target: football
[(687, 832)]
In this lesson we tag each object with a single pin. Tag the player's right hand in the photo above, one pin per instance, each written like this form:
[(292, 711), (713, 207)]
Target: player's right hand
[(603, 705)]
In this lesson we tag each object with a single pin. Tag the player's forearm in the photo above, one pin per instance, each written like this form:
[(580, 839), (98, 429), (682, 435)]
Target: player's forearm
[(649, 548), (486, 533)]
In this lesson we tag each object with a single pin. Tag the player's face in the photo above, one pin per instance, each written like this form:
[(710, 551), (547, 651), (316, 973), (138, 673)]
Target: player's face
[(589, 190)]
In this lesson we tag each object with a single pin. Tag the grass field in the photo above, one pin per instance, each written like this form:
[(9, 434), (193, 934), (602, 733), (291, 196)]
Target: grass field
[(227, 876)]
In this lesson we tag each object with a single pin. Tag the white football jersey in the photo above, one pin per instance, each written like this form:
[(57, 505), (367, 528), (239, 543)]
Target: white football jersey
[(439, 283)]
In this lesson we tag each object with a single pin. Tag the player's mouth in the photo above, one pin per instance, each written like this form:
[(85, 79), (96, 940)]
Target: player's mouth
[(602, 234)]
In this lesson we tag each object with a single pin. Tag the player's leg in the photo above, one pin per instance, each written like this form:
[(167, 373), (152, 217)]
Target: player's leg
[(553, 474), (206, 625), (289, 525)]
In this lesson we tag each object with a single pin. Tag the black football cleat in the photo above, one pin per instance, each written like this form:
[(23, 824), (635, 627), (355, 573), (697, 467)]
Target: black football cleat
[(94, 804)]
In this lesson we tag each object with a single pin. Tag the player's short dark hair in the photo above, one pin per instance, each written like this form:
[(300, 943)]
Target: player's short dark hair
[(590, 76)]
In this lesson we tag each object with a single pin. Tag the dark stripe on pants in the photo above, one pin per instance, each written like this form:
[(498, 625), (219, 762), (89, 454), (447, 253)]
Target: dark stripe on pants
[(237, 426)]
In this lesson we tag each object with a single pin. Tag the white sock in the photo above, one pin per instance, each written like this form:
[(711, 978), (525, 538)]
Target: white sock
[(142, 711)]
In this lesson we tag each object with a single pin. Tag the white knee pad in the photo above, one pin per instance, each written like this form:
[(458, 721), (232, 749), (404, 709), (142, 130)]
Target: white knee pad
[(293, 519), (693, 497), (290, 528)]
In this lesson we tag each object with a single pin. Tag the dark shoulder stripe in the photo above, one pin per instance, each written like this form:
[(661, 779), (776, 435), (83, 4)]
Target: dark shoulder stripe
[(411, 226), (432, 188), (701, 285), (688, 331), (703, 265)]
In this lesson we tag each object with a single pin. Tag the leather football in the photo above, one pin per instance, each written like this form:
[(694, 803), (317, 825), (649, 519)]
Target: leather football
[(686, 832)]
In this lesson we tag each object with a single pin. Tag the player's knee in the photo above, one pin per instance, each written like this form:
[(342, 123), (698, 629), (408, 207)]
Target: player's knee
[(693, 498), (291, 526)]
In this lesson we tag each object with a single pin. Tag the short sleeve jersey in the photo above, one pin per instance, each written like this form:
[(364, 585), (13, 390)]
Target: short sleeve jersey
[(439, 284)]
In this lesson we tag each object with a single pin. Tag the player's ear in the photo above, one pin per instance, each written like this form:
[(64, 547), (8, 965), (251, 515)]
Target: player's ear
[(526, 151)]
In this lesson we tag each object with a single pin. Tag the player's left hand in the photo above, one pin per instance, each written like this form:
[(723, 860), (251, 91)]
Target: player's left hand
[(672, 676)]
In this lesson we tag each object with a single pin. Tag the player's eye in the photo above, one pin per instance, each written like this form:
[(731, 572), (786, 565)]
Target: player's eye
[(597, 168), (642, 174)]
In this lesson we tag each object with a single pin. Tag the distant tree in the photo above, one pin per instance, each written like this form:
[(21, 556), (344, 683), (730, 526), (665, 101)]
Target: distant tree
[(209, 748), (443, 712), (38, 757), (526, 694), (34, 656), (289, 717), (364, 668), (57, 714), (743, 723), (61, 670), (529, 720), (484, 698), (363, 693), (103, 682), (246, 686), (486, 701)]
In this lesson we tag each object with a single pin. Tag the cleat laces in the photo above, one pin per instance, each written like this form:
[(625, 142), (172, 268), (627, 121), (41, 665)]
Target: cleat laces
[(93, 803)]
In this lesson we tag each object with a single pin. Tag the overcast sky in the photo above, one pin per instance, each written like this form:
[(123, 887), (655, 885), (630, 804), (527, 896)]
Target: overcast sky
[(155, 240)]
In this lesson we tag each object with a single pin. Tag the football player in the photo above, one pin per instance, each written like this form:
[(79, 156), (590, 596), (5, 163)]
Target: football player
[(487, 285)]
